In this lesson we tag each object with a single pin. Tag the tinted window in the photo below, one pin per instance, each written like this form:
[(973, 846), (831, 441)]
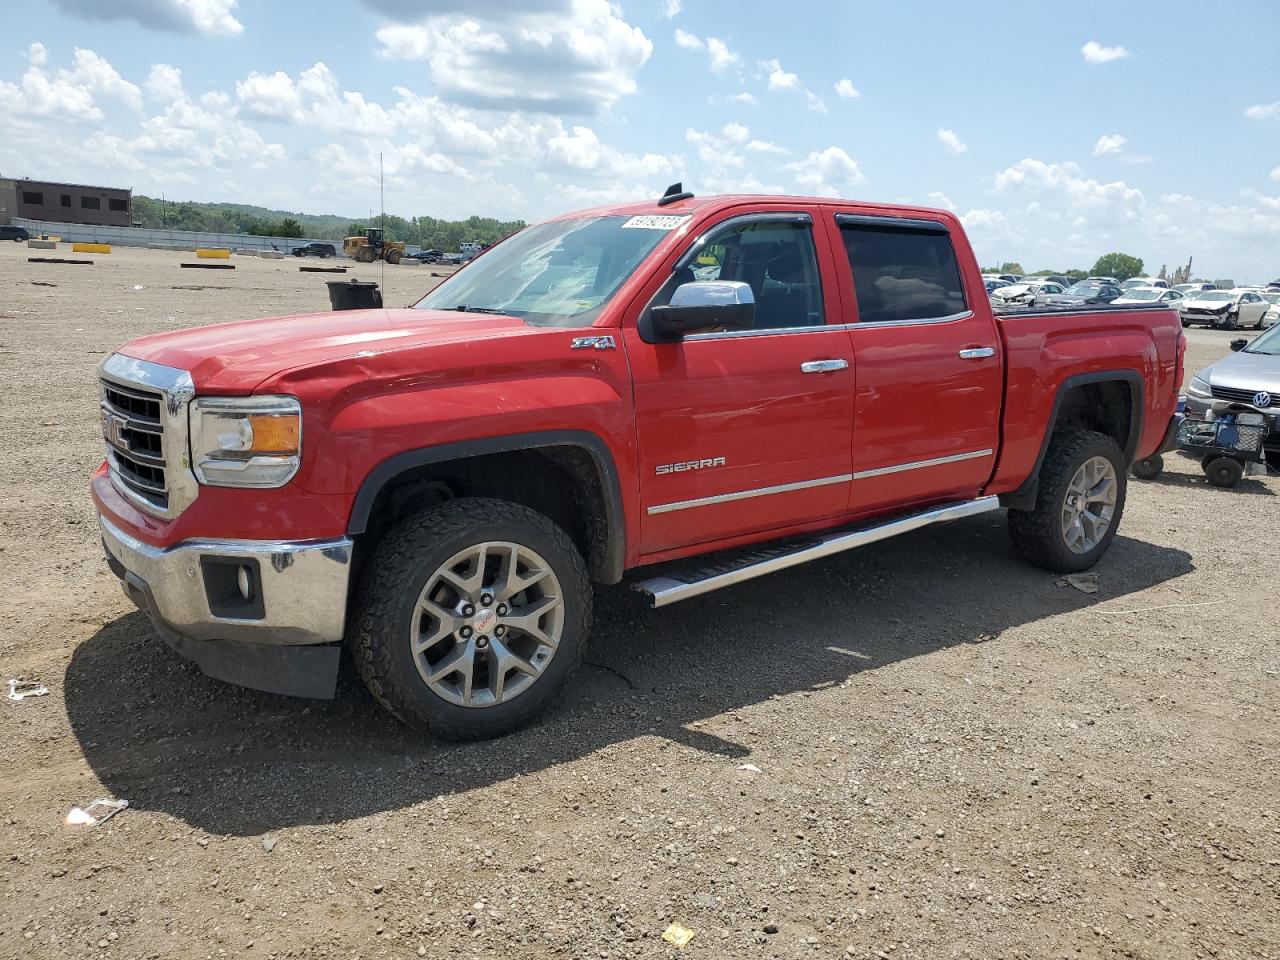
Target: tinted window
[(66, 199), (902, 274), (775, 258), (35, 198), (90, 203), (118, 205)]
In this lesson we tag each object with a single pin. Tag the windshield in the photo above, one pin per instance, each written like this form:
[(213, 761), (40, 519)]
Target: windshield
[(1131, 284), (1268, 343), (555, 274), (1084, 289), (1217, 296)]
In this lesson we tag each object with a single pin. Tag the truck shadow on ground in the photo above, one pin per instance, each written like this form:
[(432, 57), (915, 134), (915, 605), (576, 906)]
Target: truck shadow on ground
[(234, 761)]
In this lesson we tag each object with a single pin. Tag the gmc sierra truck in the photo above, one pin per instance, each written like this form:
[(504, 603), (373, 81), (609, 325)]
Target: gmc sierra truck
[(684, 394)]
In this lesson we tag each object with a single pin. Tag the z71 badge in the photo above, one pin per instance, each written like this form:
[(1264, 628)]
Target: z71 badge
[(666, 468)]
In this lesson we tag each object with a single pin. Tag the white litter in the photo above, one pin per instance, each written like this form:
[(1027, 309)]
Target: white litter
[(96, 813), (749, 766), (20, 689)]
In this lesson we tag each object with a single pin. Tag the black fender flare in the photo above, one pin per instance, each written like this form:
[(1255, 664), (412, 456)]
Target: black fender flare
[(1024, 498), (607, 568)]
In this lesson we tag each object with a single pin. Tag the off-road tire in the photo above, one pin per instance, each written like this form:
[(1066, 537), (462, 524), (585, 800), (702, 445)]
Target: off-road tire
[(393, 257), (393, 578), (1223, 471), (1037, 533)]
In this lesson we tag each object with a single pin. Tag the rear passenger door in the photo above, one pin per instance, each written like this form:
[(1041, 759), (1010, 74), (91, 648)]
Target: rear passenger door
[(928, 364)]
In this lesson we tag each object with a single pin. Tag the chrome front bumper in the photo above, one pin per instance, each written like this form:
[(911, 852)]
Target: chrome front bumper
[(297, 590)]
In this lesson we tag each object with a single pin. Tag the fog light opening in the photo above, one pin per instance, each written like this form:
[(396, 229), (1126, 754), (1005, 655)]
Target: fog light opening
[(244, 580)]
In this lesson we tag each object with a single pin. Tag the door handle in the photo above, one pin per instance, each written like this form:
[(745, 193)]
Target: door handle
[(823, 366), (977, 353)]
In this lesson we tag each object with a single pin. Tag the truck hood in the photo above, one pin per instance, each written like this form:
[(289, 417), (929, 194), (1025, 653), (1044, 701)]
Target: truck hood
[(236, 357), (1245, 371)]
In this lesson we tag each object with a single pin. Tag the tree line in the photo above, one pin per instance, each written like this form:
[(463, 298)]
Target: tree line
[(426, 232), (1121, 266)]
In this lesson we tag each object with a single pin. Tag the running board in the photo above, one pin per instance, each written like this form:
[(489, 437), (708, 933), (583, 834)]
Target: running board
[(664, 590)]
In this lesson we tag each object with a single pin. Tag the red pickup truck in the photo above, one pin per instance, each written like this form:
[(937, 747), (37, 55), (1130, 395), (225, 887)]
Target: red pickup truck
[(711, 388)]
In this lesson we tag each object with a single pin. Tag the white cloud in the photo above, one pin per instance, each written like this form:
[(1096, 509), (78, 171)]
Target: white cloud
[(581, 150), (779, 79), (942, 200), (1275, 174), (951, 141), (209, 17), (1094, 52), (1263, 111), (716, 149), (816, 103), (845, 89), (687, 40), (65, 94), (164, 83), (37, 54), (744, 97), (719, 56), (1109, 145), (314, 99), (671, 8), (768, 146), (535, 56), (1068, 179), (827, 172)]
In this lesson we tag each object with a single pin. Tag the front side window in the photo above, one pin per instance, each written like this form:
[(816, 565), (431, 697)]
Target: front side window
[(560, 273), (902, 274), (776, 258)]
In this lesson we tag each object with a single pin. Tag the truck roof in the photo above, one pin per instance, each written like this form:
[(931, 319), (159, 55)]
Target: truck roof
[(712, 203)]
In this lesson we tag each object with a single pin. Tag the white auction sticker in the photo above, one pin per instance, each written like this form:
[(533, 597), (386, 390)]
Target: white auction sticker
[(655, 222)]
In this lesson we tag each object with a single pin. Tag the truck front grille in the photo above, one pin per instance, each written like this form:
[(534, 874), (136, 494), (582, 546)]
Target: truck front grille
[(144, 426), (134, 435)]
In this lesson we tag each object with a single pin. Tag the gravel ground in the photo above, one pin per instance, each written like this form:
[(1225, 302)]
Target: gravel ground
[(922, 749)]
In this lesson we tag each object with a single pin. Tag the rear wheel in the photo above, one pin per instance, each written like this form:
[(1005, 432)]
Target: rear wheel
[(365, 255), (1078, 505), (1224, 471), (471, 617), (393, 256)]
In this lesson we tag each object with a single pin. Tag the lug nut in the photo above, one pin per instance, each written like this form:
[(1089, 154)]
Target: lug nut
[(468, 610), (502, 609), (499, 630), (486, 599), (482, 642), (466, 632)]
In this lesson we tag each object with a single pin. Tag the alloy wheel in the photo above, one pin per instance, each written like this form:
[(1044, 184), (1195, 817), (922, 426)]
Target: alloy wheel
[(1089, 505)]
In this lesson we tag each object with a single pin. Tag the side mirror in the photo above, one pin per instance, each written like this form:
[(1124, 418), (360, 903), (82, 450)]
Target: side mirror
[(701, 305), (1238, 345)]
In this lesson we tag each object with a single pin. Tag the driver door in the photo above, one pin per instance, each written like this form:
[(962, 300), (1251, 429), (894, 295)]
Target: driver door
[(749, 430)]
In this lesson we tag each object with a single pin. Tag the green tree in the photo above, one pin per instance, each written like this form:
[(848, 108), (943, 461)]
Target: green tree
[(1118, 265), (1007, 267), (290, 228)]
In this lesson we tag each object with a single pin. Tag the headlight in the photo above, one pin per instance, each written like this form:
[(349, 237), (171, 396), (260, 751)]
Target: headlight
[(246, 441), (1198, 388)]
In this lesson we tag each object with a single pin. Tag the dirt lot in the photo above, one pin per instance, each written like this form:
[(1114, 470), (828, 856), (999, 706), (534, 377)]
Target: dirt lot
[(951, 755)]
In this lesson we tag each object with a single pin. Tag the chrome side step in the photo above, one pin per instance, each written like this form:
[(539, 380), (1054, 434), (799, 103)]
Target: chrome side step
[(665, 590)]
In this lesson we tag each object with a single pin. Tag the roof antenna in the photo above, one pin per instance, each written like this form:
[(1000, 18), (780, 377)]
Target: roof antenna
[(674, 193)]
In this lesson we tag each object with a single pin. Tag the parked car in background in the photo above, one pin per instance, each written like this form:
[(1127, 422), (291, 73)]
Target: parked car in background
[(1025, 293), (423, 256), (1149, 295), (1134, 282), (1272, 316), (1009, 277), (17, 234), (1084, 293), (1246, 381), (993, 285), (1188, 288), (1111, 280), (1226, 309), (322, 250)]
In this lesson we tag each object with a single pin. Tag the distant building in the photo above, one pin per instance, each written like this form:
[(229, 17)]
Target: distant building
[(66, 203)]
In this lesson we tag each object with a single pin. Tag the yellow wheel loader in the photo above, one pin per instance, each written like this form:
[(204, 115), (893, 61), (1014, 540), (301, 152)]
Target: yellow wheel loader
[(372, 246)]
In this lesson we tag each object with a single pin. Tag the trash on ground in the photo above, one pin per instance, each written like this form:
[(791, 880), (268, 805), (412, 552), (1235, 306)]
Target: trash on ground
[(96, 813), (751, 767), (268, 843), (677, 935), (20, 689), (1084, 582)]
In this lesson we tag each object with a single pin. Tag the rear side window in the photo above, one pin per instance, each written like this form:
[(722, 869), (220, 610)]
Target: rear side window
[(901, 273)]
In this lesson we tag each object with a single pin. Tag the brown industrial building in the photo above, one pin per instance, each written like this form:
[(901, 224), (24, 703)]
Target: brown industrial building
[(66, 203)]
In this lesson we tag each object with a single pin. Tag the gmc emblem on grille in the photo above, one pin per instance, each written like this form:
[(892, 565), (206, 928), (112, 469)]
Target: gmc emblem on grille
[(113, 428)]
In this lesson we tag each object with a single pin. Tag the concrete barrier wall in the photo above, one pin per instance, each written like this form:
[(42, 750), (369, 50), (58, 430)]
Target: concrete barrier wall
[(162, 239)]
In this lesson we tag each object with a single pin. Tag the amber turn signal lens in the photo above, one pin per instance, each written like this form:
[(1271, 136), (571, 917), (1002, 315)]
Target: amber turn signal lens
[(272, 434)]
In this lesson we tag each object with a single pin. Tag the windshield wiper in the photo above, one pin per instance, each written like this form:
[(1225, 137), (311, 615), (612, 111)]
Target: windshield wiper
[(464, 308)]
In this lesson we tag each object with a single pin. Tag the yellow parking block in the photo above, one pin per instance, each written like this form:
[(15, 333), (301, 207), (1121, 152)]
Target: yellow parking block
[(213, 253), (91, 248)]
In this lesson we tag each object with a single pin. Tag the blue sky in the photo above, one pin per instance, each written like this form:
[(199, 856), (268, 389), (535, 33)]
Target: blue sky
[(1056, 134)]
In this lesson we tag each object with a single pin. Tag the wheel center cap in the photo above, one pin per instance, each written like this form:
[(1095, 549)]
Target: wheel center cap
[(484, 621)]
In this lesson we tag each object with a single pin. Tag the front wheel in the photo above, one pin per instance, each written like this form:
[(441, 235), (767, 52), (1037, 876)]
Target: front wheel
[(470, 618), (1078, 505), (1228, 322)]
